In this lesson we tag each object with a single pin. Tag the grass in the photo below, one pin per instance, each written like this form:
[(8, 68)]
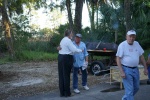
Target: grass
[(30, 56), (38, 56), (42, 56), (4, 60)]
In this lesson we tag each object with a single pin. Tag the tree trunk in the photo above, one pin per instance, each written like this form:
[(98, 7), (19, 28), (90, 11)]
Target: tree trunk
[(6, 27), (90, 15), (68, 5), (97, 16), (91, 11), (92, 19), (127, 14), (78, 16)]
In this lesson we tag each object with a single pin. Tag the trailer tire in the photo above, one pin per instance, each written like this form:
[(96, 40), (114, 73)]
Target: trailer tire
[(96, 68)]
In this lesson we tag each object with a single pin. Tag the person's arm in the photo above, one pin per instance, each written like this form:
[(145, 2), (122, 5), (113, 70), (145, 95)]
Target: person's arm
[(144, 64), (148, 61), (59, 48), (86, 58), (86, 54), (73, 48), (120, 67)]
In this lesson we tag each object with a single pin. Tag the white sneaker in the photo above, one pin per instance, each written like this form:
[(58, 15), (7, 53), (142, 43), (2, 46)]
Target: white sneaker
[(76, 91), (85, 87)]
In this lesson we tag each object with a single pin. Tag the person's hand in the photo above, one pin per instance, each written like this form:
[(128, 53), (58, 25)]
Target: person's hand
[(86, 62), (145, 71), (85, 65), (122, 74), (59, 48)]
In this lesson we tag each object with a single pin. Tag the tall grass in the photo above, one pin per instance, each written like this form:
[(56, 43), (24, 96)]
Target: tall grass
[(4, 60), (36, 56), (41, 56), (30, 56)]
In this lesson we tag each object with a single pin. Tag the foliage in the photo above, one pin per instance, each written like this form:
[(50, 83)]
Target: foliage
[(97, 35), (141, 13), (39, 46), (42, 56), (146, 53), (36, 56), (113, 15), (111, 20), (4, 60), (17, 5), (11, 8), (20, 38), (3, 46), (59, 34)]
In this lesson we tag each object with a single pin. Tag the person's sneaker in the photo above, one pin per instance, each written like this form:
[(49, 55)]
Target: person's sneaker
[(76, 91), (85, 87)]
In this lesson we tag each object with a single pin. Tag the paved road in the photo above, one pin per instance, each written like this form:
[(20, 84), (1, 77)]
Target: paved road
[(103, 91)]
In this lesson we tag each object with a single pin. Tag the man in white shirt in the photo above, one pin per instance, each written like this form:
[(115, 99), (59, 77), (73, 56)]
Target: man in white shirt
[(65, 63), (128, 55)]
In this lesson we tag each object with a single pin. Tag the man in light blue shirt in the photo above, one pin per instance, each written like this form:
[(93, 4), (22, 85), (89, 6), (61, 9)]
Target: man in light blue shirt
[(80, 63)]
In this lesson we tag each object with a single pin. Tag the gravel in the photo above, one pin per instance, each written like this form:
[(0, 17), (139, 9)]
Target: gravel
[(32, 78)]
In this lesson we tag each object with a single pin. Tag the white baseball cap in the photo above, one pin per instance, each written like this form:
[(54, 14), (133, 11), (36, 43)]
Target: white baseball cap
[(131, 32), (78, 35)]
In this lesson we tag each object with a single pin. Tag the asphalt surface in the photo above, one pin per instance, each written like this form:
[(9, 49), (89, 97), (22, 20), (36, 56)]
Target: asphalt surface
[(102, 91)]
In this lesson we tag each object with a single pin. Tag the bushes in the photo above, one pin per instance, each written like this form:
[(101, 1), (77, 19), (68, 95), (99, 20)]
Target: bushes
[(38, 46), (56, 38), (3, 46), (35, 56)]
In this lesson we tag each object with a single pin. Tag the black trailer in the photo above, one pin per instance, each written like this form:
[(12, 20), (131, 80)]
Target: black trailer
[(101, 57)]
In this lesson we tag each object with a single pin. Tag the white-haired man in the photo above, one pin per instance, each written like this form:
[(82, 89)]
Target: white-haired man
[(129, 54)]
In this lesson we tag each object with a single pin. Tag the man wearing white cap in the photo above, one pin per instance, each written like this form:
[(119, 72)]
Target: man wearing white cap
[(128, 55)]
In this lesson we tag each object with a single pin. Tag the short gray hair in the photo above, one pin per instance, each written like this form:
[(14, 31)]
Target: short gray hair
[(68, 32)]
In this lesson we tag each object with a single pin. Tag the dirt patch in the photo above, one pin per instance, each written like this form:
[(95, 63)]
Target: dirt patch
[(30, 78)]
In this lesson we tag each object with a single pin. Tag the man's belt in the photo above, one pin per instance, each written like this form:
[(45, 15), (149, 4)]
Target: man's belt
[(129, 66), (65, 55)]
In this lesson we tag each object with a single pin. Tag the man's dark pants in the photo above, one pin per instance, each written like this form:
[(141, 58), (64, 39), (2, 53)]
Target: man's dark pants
[(65, 63)]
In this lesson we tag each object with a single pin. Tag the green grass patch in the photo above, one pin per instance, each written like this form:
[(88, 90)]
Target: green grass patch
[(4, 60), (44, 56), (36, 56), (29, 56)]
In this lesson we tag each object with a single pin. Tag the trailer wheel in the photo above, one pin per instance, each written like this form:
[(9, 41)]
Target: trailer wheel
[(96, 68)]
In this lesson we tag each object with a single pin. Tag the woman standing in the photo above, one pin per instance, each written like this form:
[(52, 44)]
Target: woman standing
[(65, 63)]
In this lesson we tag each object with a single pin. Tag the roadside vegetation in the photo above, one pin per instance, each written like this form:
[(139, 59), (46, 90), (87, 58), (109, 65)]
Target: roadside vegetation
[(42, 48), (109, 21)]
